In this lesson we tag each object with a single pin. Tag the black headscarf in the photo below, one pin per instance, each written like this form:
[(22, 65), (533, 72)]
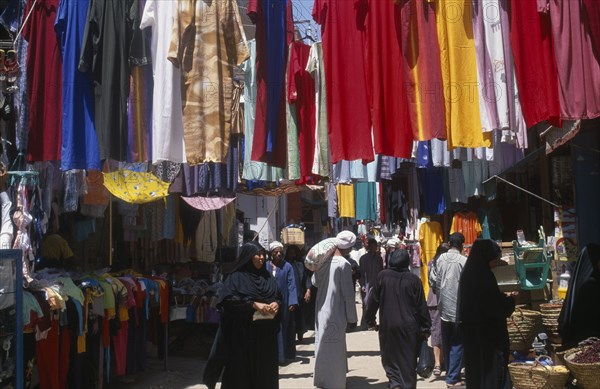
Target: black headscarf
[(248, 282), (400, 260), (584, 267)]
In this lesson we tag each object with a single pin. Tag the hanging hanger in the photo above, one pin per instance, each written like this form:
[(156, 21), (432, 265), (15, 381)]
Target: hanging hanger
[(308, 35)]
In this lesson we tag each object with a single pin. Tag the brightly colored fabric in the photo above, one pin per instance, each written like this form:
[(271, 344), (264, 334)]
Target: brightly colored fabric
[(345, 198), (134, 187), (253, 170), (206, 44), (347, 93), (577, 64), (44, 86), (392, 134), (421, 61), (531, 40), (274, 33), (459, 74), (79, 141), (467, 224), (167, 122)]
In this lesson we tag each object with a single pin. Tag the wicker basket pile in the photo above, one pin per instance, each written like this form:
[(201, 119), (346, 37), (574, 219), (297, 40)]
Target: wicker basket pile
[(550, 313), (537, 375), (523, 326)]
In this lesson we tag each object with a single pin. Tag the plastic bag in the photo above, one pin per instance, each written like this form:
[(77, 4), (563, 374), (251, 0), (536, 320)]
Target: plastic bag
[(319, 254), (426, 360)]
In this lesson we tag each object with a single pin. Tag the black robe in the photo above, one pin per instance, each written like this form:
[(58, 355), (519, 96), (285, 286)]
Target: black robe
[(572, 324), (404, 318), (482, 312), (585, 318), (247, 348)]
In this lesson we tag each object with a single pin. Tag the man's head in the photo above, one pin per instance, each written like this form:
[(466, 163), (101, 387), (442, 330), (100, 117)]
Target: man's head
[(372, 245), (344, 242), (456, 241), (276, 250)]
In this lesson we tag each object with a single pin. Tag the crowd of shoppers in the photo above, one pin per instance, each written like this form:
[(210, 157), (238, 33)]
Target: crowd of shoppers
[(271, 299)]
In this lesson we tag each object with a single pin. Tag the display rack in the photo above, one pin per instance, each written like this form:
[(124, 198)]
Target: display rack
[(6, 256)]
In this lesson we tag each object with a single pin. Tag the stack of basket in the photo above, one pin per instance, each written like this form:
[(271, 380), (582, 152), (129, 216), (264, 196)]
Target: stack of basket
[(537, 375), (523, 327), (550, 313)]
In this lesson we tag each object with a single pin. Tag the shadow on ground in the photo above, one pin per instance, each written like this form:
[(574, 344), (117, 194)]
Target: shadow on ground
[(364, 382)]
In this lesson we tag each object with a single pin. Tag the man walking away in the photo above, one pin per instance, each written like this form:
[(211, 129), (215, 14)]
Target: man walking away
[(335, 309), (446, 277)]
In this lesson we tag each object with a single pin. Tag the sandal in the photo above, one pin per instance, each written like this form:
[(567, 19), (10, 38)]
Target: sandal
[(437, 371)]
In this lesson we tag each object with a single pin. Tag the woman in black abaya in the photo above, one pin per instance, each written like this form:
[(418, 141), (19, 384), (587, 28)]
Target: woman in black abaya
[(580, 316), (482, 312), (404, 319), (249, 302)]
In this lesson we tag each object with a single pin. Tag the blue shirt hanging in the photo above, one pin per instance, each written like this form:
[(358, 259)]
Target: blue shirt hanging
[(79, 140)]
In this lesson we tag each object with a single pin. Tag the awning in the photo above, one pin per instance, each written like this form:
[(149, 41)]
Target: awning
[(281, 189), (558, 136), (207, 203)]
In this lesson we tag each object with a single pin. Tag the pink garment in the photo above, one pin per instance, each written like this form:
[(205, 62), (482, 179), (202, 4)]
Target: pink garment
[(22, 219), (578, 68)]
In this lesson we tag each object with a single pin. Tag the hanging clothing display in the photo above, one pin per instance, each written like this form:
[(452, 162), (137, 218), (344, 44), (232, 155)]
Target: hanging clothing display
[(139, 116), (430, 237), (365, 198), (206, 43), (432, 191), (110, 29), (44, 82), (392, 133), (345, 200), (274, 33), (531, 37), (421, 61), (347, 92), (167, 119), (253, 170), (592, 18), (316, 68), (466, 223), (459, 74), (79, 141), (577, 64), (206, 237), (301, 94)]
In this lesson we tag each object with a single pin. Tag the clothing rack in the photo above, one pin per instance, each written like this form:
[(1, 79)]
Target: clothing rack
[(17, 257)]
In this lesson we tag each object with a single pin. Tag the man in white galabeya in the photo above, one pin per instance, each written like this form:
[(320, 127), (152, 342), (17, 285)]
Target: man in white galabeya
[(336, 310)]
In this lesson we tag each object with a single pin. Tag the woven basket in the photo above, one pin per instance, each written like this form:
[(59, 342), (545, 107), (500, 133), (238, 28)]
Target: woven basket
[(550, 313), (292, 236), (537, 376), (587, 374), (523, 326)]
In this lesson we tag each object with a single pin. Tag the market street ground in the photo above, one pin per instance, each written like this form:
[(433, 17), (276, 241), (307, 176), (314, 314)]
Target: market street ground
[(364, 363)]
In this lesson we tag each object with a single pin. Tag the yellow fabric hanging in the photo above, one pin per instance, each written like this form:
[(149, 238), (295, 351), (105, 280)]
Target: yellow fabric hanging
[(135, 187)]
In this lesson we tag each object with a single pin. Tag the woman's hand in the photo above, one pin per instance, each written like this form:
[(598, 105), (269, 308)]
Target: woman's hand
[(273, 307), (292, 308), (261, 307), (307, 296)]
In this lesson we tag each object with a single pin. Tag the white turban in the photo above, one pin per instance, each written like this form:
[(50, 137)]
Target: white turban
[(345, 240), (275, 244), (393, 242)]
